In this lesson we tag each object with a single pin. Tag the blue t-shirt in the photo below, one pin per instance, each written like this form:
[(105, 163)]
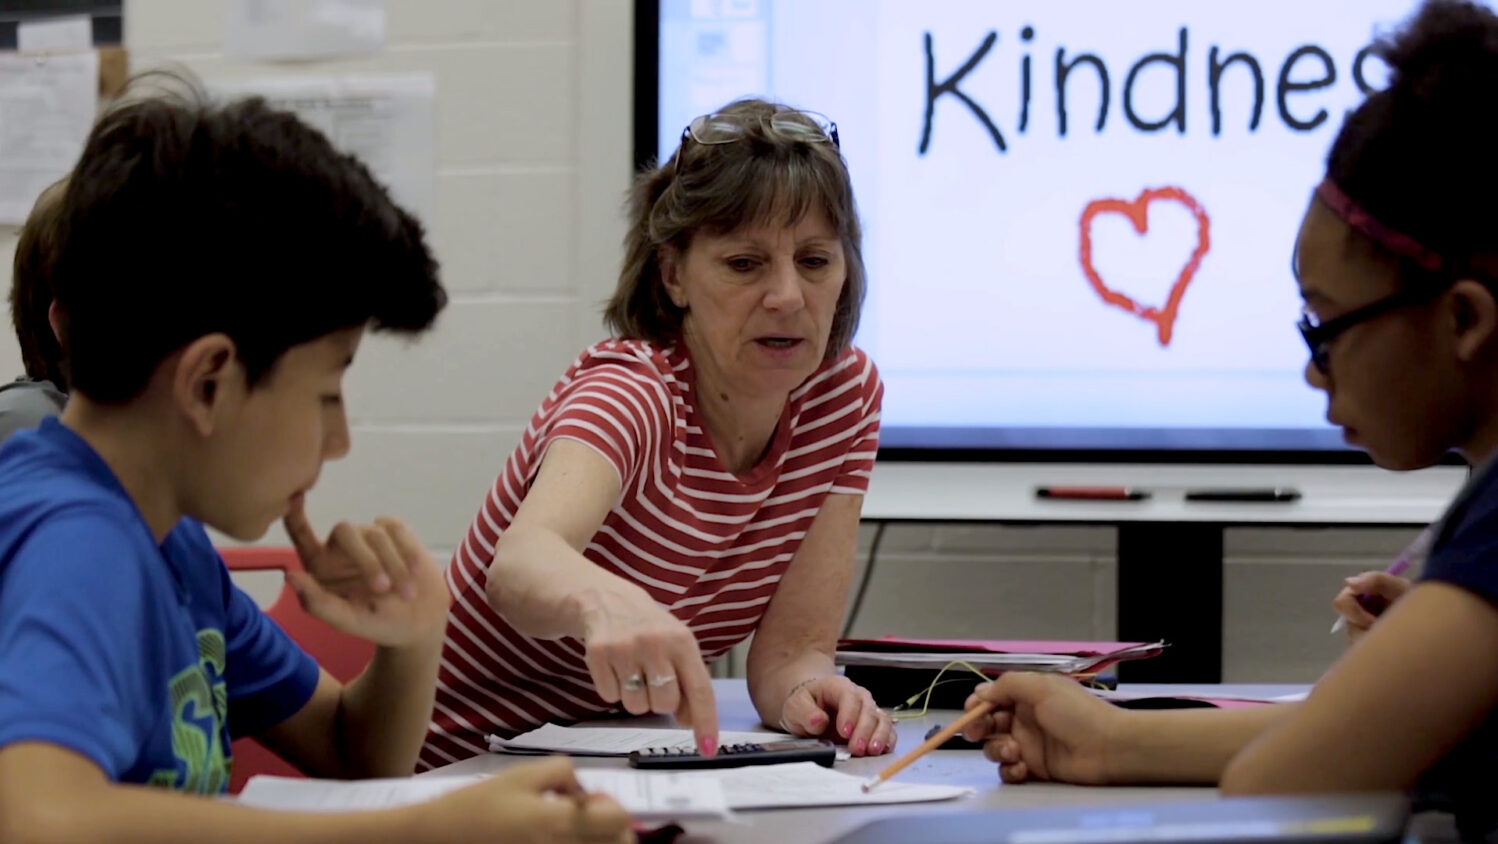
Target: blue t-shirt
[(1465, 554), (146, 659)]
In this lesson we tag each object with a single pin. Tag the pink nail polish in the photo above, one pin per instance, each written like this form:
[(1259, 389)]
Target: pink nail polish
[(860, 746), (708, 746), (875, 748), (847, 730)]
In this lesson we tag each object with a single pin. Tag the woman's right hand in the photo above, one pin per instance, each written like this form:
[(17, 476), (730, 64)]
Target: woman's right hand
[(1379, 589), (531, 802), (644, 657)]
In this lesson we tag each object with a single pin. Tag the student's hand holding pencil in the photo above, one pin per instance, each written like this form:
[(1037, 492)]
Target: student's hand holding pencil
[(1364, 597), (1044, 727)]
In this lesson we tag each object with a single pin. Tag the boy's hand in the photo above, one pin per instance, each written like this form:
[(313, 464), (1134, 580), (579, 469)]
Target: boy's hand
[(375, 581), (534, 802), (1045, 727)]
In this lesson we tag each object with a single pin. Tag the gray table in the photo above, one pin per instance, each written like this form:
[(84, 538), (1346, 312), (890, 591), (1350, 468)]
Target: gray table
[(947, 767)]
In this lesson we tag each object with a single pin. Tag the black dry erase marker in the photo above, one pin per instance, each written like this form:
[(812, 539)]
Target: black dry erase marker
[(1091, 493), (1267, 495)]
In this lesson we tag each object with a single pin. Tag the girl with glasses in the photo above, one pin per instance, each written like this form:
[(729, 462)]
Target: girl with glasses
[(1394, 261)]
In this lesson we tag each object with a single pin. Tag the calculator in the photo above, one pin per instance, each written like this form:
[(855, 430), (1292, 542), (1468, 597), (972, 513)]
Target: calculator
[(738, 755)]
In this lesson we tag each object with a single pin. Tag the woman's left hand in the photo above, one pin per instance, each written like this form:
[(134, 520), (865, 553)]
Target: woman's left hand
[(834, 707)]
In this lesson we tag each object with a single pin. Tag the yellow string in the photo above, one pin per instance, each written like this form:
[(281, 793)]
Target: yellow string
[(903, 710)]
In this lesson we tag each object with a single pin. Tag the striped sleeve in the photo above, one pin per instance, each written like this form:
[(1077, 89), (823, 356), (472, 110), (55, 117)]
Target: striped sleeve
[(619, 410), (858, 463)]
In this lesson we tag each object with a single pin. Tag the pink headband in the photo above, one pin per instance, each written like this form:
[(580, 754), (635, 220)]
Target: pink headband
[(1364, 223)]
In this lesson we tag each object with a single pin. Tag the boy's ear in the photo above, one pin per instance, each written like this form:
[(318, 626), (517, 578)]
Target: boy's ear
[(207, 368)]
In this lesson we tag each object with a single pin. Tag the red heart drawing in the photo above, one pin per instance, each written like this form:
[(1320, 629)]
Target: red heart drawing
[(1137, 211)]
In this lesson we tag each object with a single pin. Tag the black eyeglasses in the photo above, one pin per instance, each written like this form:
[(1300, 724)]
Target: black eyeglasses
[(711, 129), (1319, 335)]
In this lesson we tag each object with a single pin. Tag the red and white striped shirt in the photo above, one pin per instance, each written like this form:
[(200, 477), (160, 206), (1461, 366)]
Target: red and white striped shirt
[(708, 545)]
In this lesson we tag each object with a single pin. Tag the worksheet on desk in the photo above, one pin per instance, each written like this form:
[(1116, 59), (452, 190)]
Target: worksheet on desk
[(646, 794), (807, 784), (664, 795)]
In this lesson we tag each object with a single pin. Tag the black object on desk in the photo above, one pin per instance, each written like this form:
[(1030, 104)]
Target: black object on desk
[(1164, 702), (737, 755), (956, 742)]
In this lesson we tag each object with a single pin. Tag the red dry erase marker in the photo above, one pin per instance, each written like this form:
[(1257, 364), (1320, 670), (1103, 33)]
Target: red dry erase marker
[(1092, 493)]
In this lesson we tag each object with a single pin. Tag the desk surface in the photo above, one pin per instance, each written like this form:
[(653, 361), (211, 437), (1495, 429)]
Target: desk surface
[(947, 767)]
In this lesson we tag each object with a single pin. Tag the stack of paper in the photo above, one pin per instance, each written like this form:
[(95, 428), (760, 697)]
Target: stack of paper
[(933, 654), (615, 741), (645, 794)]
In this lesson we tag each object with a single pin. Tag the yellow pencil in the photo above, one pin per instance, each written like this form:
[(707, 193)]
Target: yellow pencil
[(929, 745)]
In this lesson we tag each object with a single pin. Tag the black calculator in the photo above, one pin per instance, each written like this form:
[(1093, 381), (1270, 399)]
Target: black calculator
[(738, 755)]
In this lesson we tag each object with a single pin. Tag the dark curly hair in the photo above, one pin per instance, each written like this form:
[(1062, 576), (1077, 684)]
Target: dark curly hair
[(1420, 155)]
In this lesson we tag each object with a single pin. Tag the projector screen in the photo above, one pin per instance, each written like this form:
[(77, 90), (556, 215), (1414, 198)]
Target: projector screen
[(1078, 216)]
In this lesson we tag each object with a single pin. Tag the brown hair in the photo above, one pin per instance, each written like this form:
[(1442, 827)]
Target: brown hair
[(765, 177), (31, 288)]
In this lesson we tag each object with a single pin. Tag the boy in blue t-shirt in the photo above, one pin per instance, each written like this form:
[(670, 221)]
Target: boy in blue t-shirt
[(216, 266)]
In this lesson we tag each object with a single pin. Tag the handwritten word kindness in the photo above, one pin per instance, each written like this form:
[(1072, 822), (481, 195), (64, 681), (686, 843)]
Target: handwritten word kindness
[(1297, 81)]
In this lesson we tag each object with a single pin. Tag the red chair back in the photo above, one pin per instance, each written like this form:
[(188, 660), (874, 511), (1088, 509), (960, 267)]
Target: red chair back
[(343, 656)]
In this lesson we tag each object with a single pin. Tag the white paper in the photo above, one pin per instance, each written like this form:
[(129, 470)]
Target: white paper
[(611, 741), (313, 795), (47, 107), (643, 795), (273, 30), (388, 121), (70, 33), (663, 795), (807, 784)]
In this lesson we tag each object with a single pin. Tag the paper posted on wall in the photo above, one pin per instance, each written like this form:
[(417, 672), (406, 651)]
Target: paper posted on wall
[(276, 30), (68, 33), (388, 121), (47, 106)]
